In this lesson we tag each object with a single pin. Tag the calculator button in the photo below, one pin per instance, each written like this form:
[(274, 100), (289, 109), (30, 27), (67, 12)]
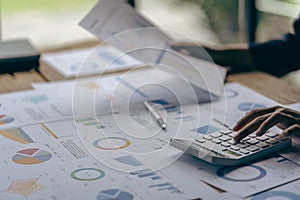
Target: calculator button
[(252, 135), (262, 138), (201, 140), (216, 140), (216, 135), (272, 134), (252, 148), (226, 131), (232, 153), (207, 137), (245, 139), (225, 138), (243, 145), (232, 134), (243, 151), (263, 145), (272, 141), (225, 144), (231, 141), (252, 141), (209, 145), (233, 147)]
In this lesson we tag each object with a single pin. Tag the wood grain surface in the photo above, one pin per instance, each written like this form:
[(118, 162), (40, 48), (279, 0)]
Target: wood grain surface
[(263, 83)]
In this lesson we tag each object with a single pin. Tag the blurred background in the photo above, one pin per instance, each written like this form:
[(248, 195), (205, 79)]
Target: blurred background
[(55, 22)]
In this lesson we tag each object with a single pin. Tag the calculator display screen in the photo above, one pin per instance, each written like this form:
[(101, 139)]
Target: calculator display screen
[(232, 153)]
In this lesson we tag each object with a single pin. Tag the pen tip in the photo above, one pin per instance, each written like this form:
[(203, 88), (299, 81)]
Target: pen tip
[(164, 126)]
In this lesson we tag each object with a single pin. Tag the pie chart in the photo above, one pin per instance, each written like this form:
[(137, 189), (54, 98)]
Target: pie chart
[(111, 143), (5, 119), (31, 156), (115, 194)]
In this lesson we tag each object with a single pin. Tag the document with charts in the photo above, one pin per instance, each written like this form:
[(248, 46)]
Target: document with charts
[(89, 61), (116, 23), (116, 150), (288, 191), (57, 159), (49, 161)]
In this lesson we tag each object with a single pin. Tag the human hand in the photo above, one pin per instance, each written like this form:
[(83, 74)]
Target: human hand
[(262, 119), (237, 56)]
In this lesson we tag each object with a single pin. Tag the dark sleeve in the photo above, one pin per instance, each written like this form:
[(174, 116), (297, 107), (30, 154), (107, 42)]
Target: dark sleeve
[(278, 57)]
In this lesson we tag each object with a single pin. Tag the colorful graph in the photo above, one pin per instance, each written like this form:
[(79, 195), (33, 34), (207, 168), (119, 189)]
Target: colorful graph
[(24, 187), (247, 106), (166, 186), (160, 102), (6, 119), (207, 129), (241, 174), (146, 173), (168, 107), (91, 122), (17, 135), (48, 131), (115, 194), (111, 143), (37, 99), (128, 160), (31, 156), (87, 174)]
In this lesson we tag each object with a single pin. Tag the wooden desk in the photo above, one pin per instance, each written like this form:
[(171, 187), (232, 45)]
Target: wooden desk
[(268, 85)]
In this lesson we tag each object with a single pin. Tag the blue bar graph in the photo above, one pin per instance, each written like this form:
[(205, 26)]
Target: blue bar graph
[(156, 178), (140, 172), (160, 102), (166, 186), (146, 173)]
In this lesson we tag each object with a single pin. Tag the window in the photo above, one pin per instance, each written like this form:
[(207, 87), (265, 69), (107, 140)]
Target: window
[(45, 23)]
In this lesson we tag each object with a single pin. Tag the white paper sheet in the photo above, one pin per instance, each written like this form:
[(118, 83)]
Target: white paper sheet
[(31, 107), (295, 106), (251, 179), (118, 24), (89, 61), (122, 142), (52, 162), (288, 191)]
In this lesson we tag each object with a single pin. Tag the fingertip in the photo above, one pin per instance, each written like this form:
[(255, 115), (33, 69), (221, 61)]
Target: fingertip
[(285, 133), (258, 133), (236, 138), (235, 128)]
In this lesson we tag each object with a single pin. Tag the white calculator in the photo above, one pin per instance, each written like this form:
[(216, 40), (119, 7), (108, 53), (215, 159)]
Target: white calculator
[(219, 148)]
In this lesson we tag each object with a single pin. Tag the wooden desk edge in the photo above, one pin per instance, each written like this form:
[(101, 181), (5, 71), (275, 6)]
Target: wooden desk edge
[(263, 83)]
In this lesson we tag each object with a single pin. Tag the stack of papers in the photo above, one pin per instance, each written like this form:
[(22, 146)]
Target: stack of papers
[(50, 149), (117, 24), (92, 138)]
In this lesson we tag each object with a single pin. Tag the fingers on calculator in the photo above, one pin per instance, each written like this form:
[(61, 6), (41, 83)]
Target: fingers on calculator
[(262, 119)]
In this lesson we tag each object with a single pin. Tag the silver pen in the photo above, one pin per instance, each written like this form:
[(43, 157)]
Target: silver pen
[(156, 115)]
